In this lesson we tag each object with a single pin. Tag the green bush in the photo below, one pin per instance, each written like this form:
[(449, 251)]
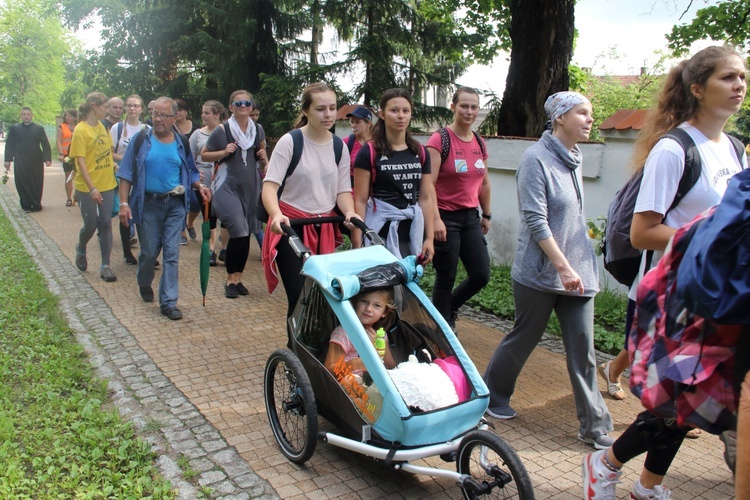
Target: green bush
[(496, 298)]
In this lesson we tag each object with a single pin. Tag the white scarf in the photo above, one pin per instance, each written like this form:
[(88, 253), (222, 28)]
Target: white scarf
[(245, 140)]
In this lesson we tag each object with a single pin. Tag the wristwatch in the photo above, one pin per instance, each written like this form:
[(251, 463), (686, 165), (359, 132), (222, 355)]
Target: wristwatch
[(487, 216)]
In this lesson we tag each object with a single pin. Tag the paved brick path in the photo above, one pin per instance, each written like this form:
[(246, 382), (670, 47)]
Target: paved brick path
[(194, 387)]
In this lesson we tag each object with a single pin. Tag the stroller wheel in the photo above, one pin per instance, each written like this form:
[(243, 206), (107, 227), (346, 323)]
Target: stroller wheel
[(493, 467), (290, 405)]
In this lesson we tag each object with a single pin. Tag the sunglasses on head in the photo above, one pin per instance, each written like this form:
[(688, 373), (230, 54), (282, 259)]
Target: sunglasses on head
[(238, 104)]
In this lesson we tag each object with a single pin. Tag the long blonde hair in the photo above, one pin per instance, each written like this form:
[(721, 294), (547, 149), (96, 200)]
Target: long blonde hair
[(676, 102)]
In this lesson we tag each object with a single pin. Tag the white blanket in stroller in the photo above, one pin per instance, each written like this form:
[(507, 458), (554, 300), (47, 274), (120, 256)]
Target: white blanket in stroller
[(423, 385)]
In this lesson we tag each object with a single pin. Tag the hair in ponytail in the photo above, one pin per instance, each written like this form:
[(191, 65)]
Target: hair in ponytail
[(93, 99), (676, 102)]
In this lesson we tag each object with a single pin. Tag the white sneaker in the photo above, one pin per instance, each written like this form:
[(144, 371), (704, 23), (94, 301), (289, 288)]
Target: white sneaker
[(658, 493), (599, 483)]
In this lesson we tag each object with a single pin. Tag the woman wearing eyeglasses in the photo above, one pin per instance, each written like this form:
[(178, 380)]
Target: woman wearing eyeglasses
[(121, 134), (236, 185)]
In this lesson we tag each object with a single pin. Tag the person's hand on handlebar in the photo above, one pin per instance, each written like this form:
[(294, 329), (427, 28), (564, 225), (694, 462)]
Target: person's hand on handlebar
[(349, 216), (277, 221)]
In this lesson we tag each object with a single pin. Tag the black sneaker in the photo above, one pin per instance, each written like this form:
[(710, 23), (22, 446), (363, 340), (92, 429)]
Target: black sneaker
[(222, 254), (131, 260), (171, 312), (230, 291), (212, 262), (147, 293), (156, 263), (242, 289), (192, 233), (81, 262)]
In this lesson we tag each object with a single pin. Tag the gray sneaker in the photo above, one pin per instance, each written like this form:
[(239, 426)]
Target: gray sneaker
[(599, 442), (81, 262), (105, 273)]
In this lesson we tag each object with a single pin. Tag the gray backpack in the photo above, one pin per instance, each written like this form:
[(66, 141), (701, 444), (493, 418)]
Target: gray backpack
[(620, 258)]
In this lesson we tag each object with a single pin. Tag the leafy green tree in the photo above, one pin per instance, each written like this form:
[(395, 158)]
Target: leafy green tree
[(33, 48), (726, 21)]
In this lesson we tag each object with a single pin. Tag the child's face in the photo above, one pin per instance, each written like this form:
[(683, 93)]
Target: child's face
[(371, 307)]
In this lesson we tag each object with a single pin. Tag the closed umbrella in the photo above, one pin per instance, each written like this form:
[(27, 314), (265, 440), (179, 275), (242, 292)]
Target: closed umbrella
[(205, 259)]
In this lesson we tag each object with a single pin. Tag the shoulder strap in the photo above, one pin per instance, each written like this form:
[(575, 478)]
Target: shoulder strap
[(256, 144), (350, 141), (445, 144), (338, 148), (739, 148), (136, 145), (481, 143), (298, 144), (692, 171), (120, 126)]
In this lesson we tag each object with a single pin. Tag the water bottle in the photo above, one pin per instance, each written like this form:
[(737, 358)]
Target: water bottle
[(380, 343)]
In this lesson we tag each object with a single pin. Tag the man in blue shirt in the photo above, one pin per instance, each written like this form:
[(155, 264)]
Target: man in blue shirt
[(160, 172)]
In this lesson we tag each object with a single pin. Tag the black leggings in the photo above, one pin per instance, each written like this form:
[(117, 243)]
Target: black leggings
[(464, 241), (652, 435), (237, 251), (289, 266)]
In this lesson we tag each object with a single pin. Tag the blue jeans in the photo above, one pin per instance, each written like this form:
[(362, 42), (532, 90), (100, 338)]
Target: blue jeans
[(161, 225)]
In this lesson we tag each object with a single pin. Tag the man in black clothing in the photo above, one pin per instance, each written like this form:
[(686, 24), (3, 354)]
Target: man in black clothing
[(27, 147)]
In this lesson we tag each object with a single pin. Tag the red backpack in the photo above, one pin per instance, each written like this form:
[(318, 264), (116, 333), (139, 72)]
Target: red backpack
[(681, 364)]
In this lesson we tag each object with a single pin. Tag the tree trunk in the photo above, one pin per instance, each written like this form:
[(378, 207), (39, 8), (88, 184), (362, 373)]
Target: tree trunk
[(317, 32), (541, 33)]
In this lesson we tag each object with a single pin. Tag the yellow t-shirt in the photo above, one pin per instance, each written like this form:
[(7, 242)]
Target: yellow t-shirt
[(95, 146)]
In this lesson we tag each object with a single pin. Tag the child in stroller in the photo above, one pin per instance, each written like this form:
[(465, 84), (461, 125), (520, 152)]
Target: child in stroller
[(375, 309)]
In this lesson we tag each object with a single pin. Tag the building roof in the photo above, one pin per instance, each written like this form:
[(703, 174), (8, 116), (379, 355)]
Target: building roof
[(625, 119)]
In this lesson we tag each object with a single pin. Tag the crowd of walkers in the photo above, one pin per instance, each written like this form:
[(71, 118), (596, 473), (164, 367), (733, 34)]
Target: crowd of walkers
[(158, 172)]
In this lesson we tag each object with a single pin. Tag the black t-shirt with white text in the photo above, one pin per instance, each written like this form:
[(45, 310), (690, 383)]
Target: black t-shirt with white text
[(397, 176)]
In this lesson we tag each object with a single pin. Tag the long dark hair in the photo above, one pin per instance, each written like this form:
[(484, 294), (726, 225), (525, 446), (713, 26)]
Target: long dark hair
[(379, 138), (676, 102)]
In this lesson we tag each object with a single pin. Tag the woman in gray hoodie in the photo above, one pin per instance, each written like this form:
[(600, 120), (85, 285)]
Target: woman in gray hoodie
[(554, 269)]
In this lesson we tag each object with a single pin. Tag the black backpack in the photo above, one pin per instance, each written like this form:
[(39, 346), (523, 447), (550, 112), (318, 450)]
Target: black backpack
[(621, 260), (298, 143), (445, 144)]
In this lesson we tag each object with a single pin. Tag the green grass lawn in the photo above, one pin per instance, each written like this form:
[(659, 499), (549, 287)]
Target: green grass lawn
[(58, 439)]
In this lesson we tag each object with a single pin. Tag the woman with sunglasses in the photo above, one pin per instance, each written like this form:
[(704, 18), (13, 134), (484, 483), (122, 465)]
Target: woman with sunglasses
[(393, 188), (236, 185)]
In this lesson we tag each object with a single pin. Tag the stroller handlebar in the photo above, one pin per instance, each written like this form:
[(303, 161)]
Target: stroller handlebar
[(301, 249)]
